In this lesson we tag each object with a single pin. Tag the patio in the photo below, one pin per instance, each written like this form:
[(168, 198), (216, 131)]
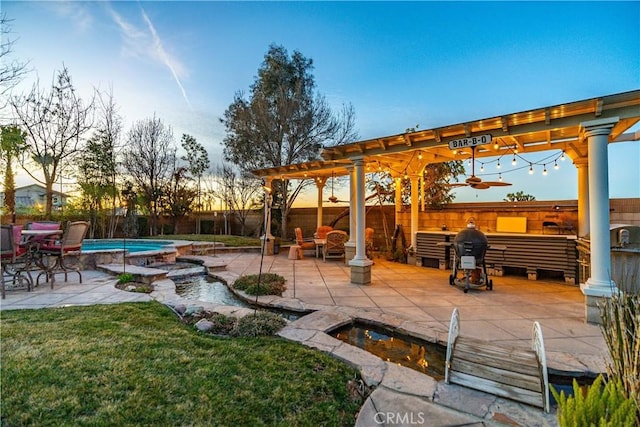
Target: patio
[(420, 294)]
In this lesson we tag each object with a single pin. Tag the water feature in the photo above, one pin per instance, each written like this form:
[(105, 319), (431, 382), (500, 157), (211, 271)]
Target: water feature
[(207, 289), (425, 357), (131, 245)]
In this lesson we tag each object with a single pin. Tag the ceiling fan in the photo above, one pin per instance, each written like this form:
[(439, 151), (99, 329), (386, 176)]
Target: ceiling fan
[(334, 199), (476, 182)]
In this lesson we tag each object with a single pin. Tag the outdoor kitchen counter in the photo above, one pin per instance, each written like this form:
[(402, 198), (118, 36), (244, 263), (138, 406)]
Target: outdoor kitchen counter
[(532, 254)]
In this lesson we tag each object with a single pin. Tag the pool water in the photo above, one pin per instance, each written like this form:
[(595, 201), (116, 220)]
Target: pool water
[(207, 289), (132, 245), (425, 357)]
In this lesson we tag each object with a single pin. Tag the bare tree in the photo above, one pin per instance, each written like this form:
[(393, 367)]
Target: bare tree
[(97, 168), (11, 70), (179, 196), (56, 123), (240, 192), (148, 160)]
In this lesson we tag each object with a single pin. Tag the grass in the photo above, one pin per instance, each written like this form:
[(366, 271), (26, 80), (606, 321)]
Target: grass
[(136, 364), (228, 240)]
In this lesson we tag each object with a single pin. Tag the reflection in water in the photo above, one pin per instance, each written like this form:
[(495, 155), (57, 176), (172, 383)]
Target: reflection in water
[(204, 288), (424, 357)]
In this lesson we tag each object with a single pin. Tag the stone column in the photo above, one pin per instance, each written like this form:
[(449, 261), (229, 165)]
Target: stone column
[(582, 165), (599, 285), (360, 264)]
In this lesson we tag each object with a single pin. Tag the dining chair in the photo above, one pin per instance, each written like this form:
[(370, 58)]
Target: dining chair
[(15, 260), (334, 246), (57, 251)]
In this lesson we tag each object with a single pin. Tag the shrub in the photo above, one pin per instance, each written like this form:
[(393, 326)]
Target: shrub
[(125, 278), (263, 284), (620, 317), (258, 324), (601, 405)]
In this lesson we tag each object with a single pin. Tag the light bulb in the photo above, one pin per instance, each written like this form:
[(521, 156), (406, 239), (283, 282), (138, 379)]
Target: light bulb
[(530, 169), (500, 177), (562, 156), (544, 171), (514, 161), (420, 155), (498, 165), (496, 146), (555, 165), (482, 167)]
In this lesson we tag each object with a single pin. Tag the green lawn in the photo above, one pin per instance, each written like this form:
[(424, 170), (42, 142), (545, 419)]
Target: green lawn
[(228, 240), (136, 364)]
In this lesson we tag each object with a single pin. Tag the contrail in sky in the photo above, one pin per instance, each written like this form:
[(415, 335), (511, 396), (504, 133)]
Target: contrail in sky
[(138, 42), (164, 57)]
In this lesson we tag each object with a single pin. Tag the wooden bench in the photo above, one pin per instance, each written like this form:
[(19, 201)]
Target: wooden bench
[(513, 373)]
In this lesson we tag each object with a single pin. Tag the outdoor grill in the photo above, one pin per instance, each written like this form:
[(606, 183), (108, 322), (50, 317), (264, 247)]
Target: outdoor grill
[(470, 246)]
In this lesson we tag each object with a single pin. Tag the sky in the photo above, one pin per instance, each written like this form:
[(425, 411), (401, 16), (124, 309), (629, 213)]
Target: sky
[(400, 64)]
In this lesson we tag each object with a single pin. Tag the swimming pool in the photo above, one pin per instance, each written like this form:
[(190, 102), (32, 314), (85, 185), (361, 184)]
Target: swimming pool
[(131, 245)]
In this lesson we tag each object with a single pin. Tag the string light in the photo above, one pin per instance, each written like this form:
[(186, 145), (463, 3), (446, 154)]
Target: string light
[(482, 167), (562, 156), (555, 165), (514, 161), (496, 146), (419, 155), (500, 176), (530, 169), (544, 171), (498, 165), (469, 162)]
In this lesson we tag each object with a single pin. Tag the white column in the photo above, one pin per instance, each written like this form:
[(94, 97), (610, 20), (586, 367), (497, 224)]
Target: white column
[(267, 208), (599, 284), (397, 181), (582, 165), (361, 257), (352, 205), (320, 185), (414, 211)]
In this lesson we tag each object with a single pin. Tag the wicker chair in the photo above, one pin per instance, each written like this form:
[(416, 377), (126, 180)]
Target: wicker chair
[(15, 259), (58, 251), (321, 232), (334, 246)]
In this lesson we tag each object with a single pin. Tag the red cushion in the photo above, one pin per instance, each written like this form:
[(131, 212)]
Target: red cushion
[(17, 233), (45, 226)]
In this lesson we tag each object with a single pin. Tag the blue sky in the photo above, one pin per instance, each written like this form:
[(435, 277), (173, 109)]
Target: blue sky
[(399, 64)]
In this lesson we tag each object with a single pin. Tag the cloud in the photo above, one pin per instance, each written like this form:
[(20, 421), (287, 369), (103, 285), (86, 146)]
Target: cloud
[(145, 42), (77, 13)]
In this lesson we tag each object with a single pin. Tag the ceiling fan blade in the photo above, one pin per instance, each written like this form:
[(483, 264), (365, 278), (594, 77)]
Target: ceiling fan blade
[(480, 186), (473, 180), (458, 184), (497, 183)]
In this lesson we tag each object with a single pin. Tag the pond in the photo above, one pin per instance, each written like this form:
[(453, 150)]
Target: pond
[(425, 357)]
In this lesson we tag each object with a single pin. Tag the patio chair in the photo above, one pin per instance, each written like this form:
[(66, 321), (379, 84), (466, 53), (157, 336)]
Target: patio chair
[(305, 244), (321, 232), (41, 225), (57, 252), (334, 246), (15, 259), (368, 241)]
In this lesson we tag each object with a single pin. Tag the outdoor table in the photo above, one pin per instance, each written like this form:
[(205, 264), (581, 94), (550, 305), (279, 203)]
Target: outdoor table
[(319, 245)]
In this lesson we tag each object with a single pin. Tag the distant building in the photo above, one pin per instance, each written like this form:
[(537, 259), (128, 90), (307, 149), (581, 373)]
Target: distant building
[(35, 195)]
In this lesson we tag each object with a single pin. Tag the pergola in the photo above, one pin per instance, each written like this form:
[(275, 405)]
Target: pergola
[(581, 129)]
